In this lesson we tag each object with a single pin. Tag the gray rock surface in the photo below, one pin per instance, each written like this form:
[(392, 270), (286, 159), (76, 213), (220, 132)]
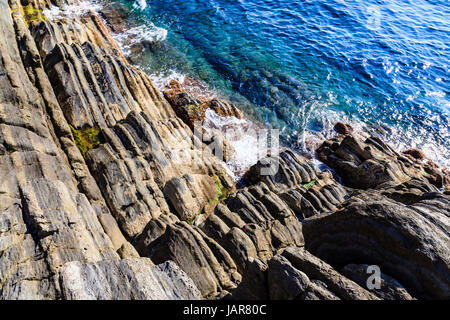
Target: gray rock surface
[(322, 271), (129, 279), (100, 172), (390, 289), (407, 242)]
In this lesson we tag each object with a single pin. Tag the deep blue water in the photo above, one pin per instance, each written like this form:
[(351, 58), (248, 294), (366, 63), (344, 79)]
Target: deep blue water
[(300, 65)]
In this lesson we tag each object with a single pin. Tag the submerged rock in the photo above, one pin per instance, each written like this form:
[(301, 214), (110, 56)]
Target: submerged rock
[(415, 154), (343, 128)]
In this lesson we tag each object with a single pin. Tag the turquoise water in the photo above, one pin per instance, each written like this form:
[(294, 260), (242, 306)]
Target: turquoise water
[(302, 65)]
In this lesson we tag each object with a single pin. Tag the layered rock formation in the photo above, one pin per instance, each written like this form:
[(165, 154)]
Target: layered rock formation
[(107, 193), (134, 278)]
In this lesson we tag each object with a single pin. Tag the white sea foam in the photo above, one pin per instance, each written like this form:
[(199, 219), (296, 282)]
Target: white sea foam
[(244, 136), (414, 137), (308, 140), (140, 4), (148, 33), (76, 9), (161, 80), (241, 133), (398, 138), (52, 13)]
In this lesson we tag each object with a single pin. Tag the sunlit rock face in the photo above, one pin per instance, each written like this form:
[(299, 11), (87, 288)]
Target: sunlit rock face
[(106, 192)]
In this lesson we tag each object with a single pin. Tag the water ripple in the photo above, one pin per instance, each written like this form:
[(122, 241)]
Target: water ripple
[(301, 65)]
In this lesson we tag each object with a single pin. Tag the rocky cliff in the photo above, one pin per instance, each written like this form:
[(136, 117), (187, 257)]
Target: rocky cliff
[(106, 193)]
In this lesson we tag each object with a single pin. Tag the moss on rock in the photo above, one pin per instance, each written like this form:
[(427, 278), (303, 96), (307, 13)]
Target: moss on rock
[(30, 13), (309, 184), (86, 139), (222, 191)]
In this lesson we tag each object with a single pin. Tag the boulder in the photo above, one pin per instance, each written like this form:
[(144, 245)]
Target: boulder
[(254, 282), (319, 270), (415, 154), (343, 128), (389, 289), (204, 260), (224, 108), (284, 281), (407, 242), (186, 107), (372, 163)]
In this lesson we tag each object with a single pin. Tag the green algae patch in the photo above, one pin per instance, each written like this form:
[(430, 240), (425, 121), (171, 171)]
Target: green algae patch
[(424, 172), (30, 14), (33, 14), (222, 192), (309, 184), (86, 139), (19, 10)]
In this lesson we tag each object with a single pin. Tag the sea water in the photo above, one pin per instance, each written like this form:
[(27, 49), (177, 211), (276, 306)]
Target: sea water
[(301, 65)]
